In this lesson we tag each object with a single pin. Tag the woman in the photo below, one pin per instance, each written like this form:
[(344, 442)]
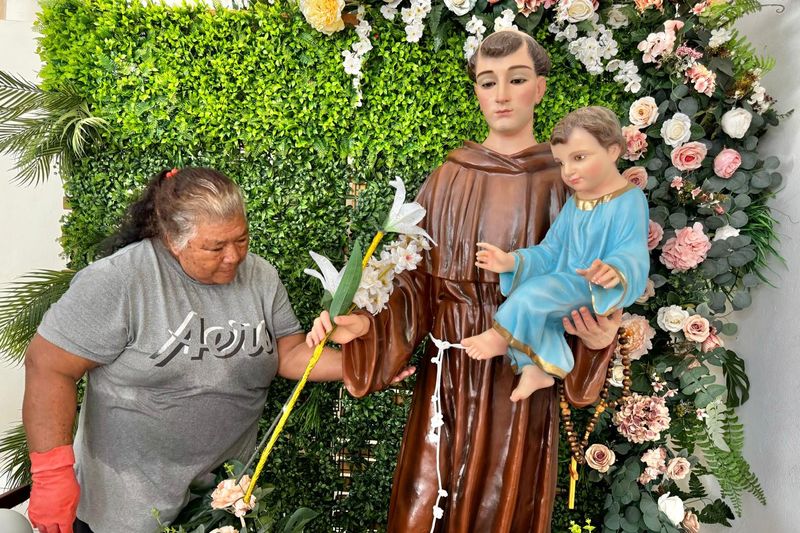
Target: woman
[(181, 332)]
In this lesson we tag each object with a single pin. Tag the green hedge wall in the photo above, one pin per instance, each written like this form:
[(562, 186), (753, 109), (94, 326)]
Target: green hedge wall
[(263, 97)]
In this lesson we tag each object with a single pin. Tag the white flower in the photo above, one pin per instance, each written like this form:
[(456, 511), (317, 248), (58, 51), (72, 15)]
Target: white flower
[(471, 46), (616, 18), (719, 37), (460, 7), (725, 231), (414, 32), (225, 529), (759, 98), (505, 21), (475, 26), (672, 506), (676, 130), (672, 318), (575, 10), (735, 122), (617, 374), (329, 276), (403, 218)]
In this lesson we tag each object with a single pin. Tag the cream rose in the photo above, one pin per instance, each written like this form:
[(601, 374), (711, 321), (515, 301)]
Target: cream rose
[(671, 318), (696, 328), (690, 523), (323, 15), (678, 468), (643, 112), (641, 335), (676, 130), (460, 7), (578, 10), (225, 529), (617, 374), (599, 457), (672, 506), (616, 19), (735, 122)]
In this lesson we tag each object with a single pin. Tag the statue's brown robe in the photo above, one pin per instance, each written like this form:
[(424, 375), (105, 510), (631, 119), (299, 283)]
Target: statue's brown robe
[(498, 458)]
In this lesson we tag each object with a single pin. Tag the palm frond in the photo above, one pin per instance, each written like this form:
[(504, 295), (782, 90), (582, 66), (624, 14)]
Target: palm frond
[(14, 460), (18, 96), (44, 128), (23, 304)]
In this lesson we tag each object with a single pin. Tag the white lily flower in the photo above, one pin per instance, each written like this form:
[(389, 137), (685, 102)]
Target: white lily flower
[(404, 217), (329, 276)]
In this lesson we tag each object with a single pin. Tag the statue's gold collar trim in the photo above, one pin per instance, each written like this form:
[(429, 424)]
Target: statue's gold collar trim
[(588, 205)]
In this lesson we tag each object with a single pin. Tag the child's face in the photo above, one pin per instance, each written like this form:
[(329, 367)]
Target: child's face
[(586, 166), (508, 90)]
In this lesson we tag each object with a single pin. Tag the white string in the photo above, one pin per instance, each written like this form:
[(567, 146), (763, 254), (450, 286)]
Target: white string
[(437, 421)]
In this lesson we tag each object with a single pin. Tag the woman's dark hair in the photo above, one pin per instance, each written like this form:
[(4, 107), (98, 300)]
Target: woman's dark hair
[(172, 205)]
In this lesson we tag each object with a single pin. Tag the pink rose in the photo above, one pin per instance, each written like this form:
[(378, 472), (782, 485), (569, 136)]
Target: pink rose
[(712, 342), (654, 234), (689, 156), (637, 176), (690, 523), (678, 468), (636, 143), (727, 162), (600, 457), (686, 249), (696, 328)]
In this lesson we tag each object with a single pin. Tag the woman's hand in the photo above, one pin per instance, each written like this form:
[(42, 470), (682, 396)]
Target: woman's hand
[(348, 327), (595, 332)]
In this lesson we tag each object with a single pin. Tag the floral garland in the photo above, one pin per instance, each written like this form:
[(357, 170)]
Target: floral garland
[(696, 112)]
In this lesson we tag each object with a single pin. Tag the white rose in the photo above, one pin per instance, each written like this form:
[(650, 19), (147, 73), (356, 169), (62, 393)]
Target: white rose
[(578, 10), (735, 122), (672, 318), (672, 506), (725, 231), (643, 112), (676, 130), (460, 7), (617, 374), (616, 18)]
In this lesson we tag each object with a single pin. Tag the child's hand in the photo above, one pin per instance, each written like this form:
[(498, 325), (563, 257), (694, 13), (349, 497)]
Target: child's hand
[(601, 274), (494, 259)]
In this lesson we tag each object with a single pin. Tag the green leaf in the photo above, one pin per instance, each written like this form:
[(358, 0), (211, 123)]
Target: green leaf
[(349, 285)]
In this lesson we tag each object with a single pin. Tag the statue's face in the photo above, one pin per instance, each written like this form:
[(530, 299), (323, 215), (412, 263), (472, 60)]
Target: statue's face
[(508, 91), (586, 166)]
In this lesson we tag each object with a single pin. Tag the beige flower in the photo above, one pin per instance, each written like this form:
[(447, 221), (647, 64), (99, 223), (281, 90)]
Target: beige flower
[(678, 468), (690, 523), (578, 10), (643, 112), (696, 328), (323, 15), (640, 341), (599, 457), (649, 292), (676, 130), (230, 494)]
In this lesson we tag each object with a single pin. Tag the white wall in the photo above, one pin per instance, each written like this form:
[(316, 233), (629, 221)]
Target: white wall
[(29, 216), (769, 338)]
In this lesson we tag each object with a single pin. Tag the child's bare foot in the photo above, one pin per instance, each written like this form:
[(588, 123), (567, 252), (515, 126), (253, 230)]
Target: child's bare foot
[(532, 379), (488, 344)]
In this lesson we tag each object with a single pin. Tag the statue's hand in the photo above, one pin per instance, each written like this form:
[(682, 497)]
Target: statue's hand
[(595, 332)]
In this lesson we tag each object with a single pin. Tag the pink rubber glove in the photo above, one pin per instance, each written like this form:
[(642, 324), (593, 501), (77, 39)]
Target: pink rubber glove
[(55, 491)]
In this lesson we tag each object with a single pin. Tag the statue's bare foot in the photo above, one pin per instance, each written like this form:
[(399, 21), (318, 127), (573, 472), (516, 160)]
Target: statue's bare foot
[(532, 379), (488, 344)]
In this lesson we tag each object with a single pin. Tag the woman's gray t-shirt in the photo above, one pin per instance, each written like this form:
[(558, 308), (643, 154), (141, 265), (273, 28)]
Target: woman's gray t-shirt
[(183, 379)]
